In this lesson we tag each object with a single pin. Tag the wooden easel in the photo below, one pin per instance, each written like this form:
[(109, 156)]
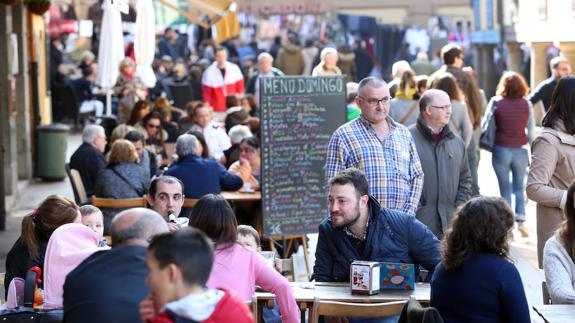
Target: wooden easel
[(287, 242)]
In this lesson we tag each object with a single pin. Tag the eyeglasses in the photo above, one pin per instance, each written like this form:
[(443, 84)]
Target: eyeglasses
[(154, 126), (374, 101), (445, 107)]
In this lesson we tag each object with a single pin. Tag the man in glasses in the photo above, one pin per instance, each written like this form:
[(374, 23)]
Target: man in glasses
[(444, 160), (380, 147)]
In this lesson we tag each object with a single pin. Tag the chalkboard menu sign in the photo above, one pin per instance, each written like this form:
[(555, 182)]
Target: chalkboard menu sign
[(298, 116)]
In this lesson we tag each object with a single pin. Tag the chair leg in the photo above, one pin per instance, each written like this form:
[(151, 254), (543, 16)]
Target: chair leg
[(305, 255)]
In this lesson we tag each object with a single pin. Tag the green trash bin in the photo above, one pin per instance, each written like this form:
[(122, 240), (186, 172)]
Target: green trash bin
[(52, 144)]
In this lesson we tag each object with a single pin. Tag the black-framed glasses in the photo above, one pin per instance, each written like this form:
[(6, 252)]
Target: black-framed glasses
[(374, 101), (445, 107)]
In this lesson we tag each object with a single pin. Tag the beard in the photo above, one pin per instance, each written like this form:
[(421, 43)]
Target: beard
[(346, 221)]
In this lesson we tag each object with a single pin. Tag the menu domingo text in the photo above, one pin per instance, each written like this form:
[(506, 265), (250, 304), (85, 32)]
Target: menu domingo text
[(298, 116)]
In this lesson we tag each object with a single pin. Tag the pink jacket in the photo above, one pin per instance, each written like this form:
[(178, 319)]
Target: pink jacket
[(240, 269), (68, 246)]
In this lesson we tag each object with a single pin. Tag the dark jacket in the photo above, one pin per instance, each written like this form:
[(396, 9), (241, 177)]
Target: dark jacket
[(107, 287), (18, 261), (543, 92), (88, 161), (251, 85), (446, 180), (121, 181), (202, 176), (392, 236)]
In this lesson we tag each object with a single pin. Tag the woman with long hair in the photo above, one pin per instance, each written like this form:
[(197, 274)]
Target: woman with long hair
[(559, 256), (140, 110), (475, 280), (37, 227), (552, 160), (515, 129), (235, 267)]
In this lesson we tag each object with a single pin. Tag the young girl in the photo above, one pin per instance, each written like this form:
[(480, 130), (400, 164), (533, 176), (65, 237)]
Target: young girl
[(93, 218)]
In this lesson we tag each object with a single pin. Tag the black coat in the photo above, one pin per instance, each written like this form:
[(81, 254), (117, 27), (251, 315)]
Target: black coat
[(88, 161), (107, 287)]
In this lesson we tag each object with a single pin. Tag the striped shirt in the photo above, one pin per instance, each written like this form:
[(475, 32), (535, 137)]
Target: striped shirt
[(392, 166)]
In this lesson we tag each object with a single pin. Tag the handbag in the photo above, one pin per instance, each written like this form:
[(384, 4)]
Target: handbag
[(27, 313), (488, 127)]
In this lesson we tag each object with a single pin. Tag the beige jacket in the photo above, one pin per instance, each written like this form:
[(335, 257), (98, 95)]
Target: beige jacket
[(552, 170)]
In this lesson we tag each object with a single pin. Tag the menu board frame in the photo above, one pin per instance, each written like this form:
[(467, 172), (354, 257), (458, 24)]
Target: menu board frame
[(298, 116)]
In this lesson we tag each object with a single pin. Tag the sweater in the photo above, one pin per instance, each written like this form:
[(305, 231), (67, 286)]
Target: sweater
[(512, 117), (240, 269), (559, 272), (487, 288)]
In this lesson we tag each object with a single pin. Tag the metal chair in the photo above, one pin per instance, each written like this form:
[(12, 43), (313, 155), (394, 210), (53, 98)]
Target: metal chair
[(545, 293), (363, 310)]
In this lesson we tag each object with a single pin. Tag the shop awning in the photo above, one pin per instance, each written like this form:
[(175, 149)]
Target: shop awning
[(219, 14)]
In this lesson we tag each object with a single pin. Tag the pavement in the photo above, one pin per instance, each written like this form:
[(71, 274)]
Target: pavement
[(523, 250)]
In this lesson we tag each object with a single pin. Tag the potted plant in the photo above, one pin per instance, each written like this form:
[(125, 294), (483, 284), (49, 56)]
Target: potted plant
[(38, 7)]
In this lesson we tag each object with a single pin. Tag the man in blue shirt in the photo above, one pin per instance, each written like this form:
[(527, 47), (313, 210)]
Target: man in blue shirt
[(200, 176), (360, 229)]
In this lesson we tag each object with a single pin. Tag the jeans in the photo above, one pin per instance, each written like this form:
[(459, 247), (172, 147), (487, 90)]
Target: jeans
[(515, 161)]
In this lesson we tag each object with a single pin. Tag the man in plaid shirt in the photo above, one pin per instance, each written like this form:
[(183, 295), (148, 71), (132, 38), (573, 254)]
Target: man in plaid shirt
[(380, 147)]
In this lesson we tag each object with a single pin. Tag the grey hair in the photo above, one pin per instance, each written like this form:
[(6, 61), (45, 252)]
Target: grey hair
[(326, 51), (145, 224), (239, 132), (265, 55), (370, 81), (186, 145), (91, 132)]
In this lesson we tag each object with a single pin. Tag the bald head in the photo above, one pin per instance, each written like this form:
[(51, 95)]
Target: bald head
[(430, 97), (435, 109), (135, 227)]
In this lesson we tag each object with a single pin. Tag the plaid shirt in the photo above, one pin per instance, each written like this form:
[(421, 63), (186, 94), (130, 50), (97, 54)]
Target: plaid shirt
[(393, 169)]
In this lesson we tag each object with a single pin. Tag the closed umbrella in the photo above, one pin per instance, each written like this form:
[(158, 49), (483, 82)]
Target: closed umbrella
[(145, 42), (111, 51)]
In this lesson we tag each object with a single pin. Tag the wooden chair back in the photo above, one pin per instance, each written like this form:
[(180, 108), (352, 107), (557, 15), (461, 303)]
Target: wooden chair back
[(77, 185), (118, 203), (190, 202), (363, 310)]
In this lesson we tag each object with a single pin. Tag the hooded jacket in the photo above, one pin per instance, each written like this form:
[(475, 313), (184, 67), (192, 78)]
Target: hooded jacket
[(290, 60)]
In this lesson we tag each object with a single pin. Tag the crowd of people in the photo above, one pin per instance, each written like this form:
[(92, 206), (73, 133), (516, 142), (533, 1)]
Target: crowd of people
[(402, 187)]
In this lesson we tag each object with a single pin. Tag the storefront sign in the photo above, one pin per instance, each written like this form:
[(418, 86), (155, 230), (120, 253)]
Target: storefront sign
[(284, 8)]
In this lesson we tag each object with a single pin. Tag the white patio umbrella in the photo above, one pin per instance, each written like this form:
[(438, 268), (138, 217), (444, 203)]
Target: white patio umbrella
[(111, 51), (145, 42)]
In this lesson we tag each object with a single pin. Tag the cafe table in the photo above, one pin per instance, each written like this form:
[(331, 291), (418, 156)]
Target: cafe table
[(239, 196), (305, 293), (556, 313)]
